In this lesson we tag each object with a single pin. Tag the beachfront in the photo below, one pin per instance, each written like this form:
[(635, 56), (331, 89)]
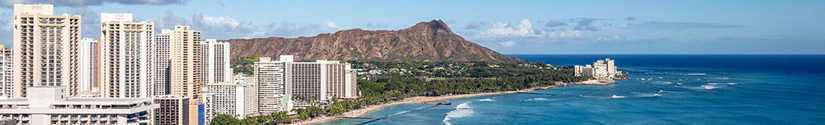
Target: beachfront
[(417, 99)]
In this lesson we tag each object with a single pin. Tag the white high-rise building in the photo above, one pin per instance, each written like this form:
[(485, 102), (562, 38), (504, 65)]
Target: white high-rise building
[(6, 72), (215, 57), (306, 83), (319, 81), (126, 64), (270, 76), (162, 60), (236, 99), (51, 106), (46, 49), (601, 69), (88, 65)]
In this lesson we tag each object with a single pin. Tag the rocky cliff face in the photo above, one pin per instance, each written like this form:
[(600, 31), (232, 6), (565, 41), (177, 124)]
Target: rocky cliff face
[(425, 41)]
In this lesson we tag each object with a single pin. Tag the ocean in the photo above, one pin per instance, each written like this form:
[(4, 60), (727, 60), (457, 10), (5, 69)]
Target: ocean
[(677, 89)]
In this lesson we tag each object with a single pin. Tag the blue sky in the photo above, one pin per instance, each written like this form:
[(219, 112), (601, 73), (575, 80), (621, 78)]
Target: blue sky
[(509, 27)]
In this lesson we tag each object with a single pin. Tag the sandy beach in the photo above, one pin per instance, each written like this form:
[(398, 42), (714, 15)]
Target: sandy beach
[(417, 99)]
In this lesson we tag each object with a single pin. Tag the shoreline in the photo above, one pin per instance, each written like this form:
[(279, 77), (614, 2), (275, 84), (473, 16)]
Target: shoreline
[(421, 99)]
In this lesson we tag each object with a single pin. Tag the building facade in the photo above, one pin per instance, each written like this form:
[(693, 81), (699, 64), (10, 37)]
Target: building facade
[(52, 106), (45, 48), (127, 56), (236, 99), (172, 110), (185, 65), (162, 69), (304, 83), (270, 76), (6, 72), (215, 61), (88, 67), (601, 69)]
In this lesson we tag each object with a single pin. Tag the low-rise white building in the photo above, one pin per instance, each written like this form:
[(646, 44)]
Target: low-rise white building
[(46, 105), (236, 99)]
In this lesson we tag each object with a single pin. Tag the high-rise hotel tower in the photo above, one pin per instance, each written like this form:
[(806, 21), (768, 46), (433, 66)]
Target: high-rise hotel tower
[(45, 48), (126, 58), (185, 65)]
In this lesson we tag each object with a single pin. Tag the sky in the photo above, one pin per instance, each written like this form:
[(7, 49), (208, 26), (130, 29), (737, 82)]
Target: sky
[(508, 27)]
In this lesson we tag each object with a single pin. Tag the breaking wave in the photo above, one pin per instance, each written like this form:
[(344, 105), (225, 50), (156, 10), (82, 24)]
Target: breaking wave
[(462, 110)]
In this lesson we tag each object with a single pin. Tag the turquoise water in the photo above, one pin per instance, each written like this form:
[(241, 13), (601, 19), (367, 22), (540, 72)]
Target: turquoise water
[(678, 89)]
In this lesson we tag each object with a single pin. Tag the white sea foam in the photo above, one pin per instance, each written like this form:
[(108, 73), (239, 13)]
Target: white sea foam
[(731, 83), (487, 100), (617, 97), (462, 110), (709, 87), (696, 74), (657, 94), (662, 82), (402, 112), (539, 99)]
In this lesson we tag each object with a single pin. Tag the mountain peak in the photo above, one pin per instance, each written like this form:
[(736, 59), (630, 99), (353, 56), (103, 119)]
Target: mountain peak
[(434, 25), (425, 41)]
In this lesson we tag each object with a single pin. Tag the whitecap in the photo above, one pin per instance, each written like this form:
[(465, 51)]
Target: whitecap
[(462, 110), (731, 83), (487, 100), (657, 94), (617, 97), (696, 74), (541, 99), (678, 83), (662, 82), (709, 87)]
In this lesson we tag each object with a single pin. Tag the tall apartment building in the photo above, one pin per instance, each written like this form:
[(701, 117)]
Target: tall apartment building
[(173, 110), (271, 78), (236, 99), (45, 48), (185, 65), (88, 66), (6, 72), (215, 65), (126, 65), (162, 68), (51, 106)]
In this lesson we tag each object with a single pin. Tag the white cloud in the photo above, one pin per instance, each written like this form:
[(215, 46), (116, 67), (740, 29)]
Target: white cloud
[(224, 27), (524, 32), (81, 3), (611, 38), (219, 21), (566, 34), (331, 24), (507, 44), (524, 29)]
